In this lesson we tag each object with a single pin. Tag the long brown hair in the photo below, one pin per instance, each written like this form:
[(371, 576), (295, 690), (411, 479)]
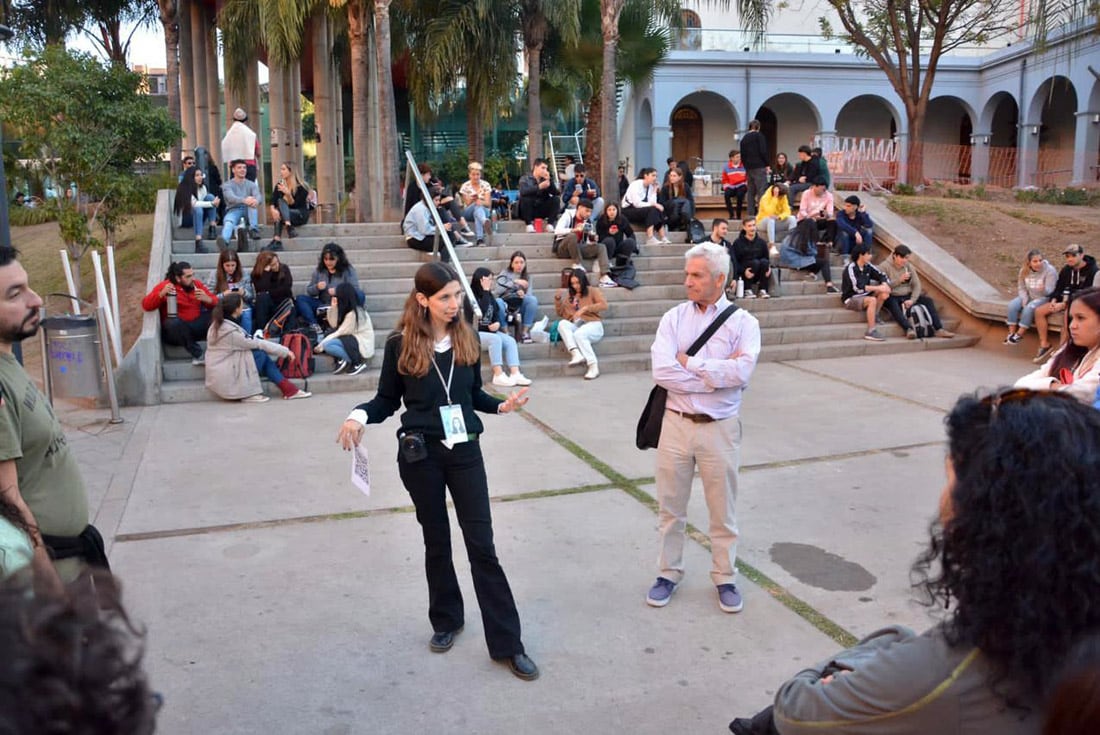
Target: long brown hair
[(1027, 263), (222, 282), (677, 189), (263, 259), (415, 326), (1071, 354), (225, 307)]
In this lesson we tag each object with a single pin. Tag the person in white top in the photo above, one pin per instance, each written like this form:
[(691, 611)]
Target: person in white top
[(1075, 367), (477, 200), (640, 206), (240, 142)]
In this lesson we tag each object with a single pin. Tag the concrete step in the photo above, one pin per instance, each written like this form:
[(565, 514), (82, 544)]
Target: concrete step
[(858, 346)]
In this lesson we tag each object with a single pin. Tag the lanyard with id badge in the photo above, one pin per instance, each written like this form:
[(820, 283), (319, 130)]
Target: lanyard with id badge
[(454, 424)]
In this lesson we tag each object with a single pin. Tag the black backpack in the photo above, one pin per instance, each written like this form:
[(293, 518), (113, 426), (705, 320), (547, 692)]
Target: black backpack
[(697, 233), (921, 320), (284, 320)]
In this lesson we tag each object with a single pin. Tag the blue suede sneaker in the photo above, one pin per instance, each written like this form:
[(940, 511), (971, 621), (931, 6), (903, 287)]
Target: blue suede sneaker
[(661, 592), (729, 599)]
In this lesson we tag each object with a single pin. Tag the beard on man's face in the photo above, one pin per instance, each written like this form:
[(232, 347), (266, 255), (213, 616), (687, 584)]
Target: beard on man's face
[(27, 328)]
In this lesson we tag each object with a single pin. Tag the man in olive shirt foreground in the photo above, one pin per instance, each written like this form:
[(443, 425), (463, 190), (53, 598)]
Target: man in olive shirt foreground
[(38, 472)]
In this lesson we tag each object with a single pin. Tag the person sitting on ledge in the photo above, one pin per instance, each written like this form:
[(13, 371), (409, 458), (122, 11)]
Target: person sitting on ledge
[(817, 204), (865, 288), (640, 206), (906, 291), (242, 200), (332, 269), (191, 302), (289, 205), (678, 201), (853, 226), (539, 197)]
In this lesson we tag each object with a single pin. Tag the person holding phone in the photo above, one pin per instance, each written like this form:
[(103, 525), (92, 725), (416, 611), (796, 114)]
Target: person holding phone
[(432, 364), (229, 276)]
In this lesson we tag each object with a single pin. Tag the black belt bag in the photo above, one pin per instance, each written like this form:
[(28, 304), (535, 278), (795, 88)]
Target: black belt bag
[(88, 546)]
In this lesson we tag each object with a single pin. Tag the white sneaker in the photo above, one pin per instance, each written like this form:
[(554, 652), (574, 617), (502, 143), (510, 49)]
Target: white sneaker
[(504, 381), (530, 228), (764, 294), (358, 368), (749, 294), (258, 398), (200, 360), (593, 372), (606, 282), (665, 240), (652, 241), (521, 379), (299, 394), (578, 358), (259, 334)]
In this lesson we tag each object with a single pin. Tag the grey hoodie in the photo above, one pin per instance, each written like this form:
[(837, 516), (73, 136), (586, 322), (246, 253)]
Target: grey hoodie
[(1036, 285)]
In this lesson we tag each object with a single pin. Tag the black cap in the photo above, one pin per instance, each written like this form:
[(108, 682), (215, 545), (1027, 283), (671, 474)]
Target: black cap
[(852, 200), (820, 181)]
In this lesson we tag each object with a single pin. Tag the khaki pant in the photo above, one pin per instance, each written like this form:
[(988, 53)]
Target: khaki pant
[(715, 448), (569, 249)]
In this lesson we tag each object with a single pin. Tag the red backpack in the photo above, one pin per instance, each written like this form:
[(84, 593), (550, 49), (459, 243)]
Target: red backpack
[(302, 367)]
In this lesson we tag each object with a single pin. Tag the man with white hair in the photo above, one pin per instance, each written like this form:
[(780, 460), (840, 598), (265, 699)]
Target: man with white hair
[(701, 427), (241, 143)]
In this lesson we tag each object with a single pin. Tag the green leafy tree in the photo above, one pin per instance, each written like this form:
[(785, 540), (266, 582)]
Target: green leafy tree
[(86, 124), (538, 18)]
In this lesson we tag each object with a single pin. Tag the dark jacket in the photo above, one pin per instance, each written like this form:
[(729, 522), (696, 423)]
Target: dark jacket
[(782, 176), (745, 250), (529, 188), (489, 315), (664, 194), (280, 285), (588, 190), (862, 221), (811, 169), (1074, 279), (754, 150), (603, 228), (857, 279), (735, 270), (300, 197), (424, 395)]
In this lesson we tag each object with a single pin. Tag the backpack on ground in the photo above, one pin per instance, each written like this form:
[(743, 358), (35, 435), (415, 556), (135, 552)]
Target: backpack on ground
[(626, 275), (303, 364), (697, 233), (921, 320), (282, 320)]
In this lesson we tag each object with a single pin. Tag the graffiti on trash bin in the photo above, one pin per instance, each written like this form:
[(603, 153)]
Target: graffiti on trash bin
[(65, 358)]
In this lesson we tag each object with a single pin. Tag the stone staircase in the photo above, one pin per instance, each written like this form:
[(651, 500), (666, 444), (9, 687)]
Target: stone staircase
[(805, 323)]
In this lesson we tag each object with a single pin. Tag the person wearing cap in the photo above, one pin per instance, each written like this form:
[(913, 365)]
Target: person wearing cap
[(853, 226), (241, 143), (817, 204), (905, 291), (1078, 273)]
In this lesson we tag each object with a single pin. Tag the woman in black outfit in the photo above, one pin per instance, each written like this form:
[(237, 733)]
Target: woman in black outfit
[(273, 283), (615, 232), (432, 361)]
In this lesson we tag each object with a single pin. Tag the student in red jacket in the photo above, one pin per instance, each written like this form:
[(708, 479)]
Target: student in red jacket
[(192, 303), (734, 184)]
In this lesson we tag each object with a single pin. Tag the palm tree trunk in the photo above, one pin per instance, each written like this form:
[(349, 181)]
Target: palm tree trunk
[(360, 79), (169, 20), (592, 142), (534, 103), (387, 113), (610, 11)]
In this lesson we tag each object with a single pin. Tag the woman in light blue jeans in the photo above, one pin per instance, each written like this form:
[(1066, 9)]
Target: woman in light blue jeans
[(1034, 286), (513, 288), (491, 330)]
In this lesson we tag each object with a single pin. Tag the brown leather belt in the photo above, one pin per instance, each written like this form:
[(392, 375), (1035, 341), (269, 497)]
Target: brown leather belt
[(698, 418)]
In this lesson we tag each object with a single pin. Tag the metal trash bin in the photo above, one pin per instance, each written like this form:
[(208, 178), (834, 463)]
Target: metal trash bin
[(73, 357)]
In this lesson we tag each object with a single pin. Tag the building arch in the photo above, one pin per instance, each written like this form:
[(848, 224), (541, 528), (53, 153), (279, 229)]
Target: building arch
[(946, 137), (998, 131), (643, 140), (867, 116), (690, 33), (787, 121), (1052, 116), (704, 126)]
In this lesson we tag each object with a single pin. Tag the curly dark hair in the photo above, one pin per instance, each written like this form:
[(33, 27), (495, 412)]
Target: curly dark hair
[(71, 664), (1017, 562), (331, 248)]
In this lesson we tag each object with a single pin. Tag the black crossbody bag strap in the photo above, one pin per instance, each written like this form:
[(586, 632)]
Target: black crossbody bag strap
[(709, 331)]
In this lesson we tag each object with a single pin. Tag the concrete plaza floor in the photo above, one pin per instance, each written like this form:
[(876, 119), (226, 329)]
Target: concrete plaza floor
[(279, 599)]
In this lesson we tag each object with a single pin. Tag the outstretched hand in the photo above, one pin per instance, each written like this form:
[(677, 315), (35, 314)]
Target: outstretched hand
[(351, 433), (514, 401)]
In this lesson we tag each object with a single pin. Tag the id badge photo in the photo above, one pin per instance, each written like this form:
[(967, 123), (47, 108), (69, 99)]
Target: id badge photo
[(454, 425)]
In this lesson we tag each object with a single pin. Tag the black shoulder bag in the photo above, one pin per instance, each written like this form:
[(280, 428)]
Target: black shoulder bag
[(653, 415)]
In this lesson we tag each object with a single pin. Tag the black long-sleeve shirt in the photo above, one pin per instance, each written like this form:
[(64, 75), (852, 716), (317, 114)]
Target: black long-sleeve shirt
[(280, 285), (424, 395), (754, 150)]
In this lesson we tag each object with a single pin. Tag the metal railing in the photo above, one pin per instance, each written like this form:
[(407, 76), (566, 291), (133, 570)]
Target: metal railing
[(741, 41), (412, 174)]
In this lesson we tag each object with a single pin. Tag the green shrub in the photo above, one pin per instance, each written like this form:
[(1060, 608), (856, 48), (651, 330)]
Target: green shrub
[(1069, 196), (904, 189), (23, 216)]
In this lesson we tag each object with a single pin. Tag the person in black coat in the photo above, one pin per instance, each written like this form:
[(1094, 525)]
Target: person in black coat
[(754, 157), (616, 234), (751, 255)]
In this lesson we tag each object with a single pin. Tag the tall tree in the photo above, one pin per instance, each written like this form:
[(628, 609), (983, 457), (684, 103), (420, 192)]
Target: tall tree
[(40, 23), (169, 20), (907, 40), (387, 113), (538, 19), (104, 22), (358, 44)]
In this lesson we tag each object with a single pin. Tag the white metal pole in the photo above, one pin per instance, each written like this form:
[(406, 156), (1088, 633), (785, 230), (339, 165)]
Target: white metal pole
[(69, 280), (113, 281), (102, 300)]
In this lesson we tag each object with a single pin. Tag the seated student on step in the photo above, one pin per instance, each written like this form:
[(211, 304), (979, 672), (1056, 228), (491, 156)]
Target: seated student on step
[(751, 256), (1034, 285), (678, 201), (773, 214), (865, 288), (513, 287), (575, 240), (1010, 570), (420, 230), (806, 171), (1075, 366), (734, 184), (782, 172), (580, 308), (477, 199), (235, 359), (616, 234), (817, 205), (539, 197), (799, 251), (492, 331), (853, 225), (581, 188), (229, 276), (905, 291), (272, 283), (640, 206), (193, 302), (289, 205), (242, 200), (1078, 273), (195, 207), (351, 343), (332, 269)]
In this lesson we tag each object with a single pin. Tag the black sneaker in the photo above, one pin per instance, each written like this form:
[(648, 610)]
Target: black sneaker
[(832, 289), (358, 369), (291, 232), (254, 233), (199, 247), (341, 366), (1042, 354)]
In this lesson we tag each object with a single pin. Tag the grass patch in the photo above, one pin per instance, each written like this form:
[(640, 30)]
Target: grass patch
[(1070, 196), (916, 207), (1031, 219)]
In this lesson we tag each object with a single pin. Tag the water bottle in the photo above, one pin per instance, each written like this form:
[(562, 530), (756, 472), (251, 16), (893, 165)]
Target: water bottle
[(173, 310)]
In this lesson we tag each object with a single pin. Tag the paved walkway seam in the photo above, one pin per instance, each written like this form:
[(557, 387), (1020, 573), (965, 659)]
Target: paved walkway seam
[(796, 605), (864, 388)]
